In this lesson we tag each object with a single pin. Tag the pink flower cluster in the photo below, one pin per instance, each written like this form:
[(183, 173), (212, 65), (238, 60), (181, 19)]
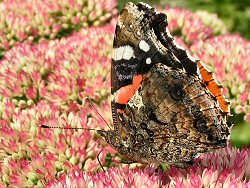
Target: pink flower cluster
[(31, 20), (229, 58), (30, 155), (63, 71), (227, 167), (192, 26), (47, 83)]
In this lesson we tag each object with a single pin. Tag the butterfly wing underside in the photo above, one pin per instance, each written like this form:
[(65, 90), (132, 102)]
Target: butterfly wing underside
[(163, 107)]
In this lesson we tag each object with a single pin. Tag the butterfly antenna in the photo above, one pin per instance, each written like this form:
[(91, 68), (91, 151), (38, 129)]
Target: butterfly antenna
[(91, 104), (57, 127), (98, 158)]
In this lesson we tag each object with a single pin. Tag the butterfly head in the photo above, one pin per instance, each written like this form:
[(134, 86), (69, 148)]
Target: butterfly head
[(110, 136)]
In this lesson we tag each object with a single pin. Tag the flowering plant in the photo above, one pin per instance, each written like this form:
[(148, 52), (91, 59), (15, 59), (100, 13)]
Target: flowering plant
[(47, 83), (22, 20), (227, 167)]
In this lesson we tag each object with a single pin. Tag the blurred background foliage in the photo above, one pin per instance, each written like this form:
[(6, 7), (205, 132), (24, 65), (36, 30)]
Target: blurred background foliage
[(236, 15)]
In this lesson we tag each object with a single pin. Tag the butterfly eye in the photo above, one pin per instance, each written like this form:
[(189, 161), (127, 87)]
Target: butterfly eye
[(113, 141)]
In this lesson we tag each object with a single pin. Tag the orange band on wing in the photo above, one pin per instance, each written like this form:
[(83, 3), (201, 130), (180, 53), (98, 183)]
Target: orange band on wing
[(137, 79), (125, 93), (214, 87), (224, 103)]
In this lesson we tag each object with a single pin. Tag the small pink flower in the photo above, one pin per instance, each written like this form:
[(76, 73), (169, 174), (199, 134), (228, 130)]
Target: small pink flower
[(247, 117), (209, 176), (243, 98), (31, 93), (21, 35), (15, 179)]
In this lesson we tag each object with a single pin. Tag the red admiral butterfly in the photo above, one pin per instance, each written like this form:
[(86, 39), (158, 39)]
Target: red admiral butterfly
[(166, 106)]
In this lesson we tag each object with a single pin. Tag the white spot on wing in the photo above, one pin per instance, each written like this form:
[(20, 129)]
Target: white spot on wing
[(136, 101), (148, 61), (123, 52), (144, 46)]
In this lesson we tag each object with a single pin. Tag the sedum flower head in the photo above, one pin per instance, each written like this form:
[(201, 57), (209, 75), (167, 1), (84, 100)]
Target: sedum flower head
[(62, 71), (47, 83), (229, 57), (212, 20), (30, 155), (193, 26), (31, 20), (228, 167)]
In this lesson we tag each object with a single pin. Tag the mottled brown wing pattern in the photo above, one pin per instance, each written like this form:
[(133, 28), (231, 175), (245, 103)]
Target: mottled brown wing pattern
[(175, 119), (166, 106)]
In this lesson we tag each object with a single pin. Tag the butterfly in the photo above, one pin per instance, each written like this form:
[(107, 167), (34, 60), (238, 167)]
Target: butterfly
[(167, 107)]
